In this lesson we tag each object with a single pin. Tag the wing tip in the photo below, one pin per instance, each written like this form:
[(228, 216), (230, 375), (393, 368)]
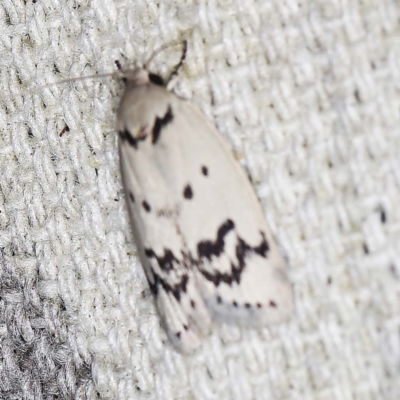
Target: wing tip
[(255, 313)]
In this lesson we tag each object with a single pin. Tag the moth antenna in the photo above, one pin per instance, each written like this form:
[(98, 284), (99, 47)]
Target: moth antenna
[(166, 46), (180, 63), (35, 89), (75, 79)]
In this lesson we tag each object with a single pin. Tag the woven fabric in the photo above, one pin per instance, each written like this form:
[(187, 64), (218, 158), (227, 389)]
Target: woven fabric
[(307, 95)]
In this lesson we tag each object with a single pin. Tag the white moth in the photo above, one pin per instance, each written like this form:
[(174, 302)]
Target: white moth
[(201, 233)]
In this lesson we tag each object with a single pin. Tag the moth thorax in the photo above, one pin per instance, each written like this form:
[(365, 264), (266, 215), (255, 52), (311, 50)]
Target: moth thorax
[(137, 76)]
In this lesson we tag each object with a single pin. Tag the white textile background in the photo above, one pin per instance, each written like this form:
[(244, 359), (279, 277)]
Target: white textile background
[(307, 93)]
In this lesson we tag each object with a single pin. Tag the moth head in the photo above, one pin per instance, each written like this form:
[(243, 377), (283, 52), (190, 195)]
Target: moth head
[(138, 75), (141, 75), (134, 76)]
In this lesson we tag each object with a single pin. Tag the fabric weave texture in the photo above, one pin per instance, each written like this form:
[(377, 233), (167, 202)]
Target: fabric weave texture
[(307, 94)]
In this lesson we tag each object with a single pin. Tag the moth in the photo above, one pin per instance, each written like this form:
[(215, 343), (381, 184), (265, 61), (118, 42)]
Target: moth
[(201, 234)]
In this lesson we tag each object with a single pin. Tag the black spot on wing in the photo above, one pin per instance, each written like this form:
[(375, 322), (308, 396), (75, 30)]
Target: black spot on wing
[(272, 304), (161, 123), (188, 192), (156, 79), (209, 249), (132, 197), (146, 206), (125, 135), (204, 170)]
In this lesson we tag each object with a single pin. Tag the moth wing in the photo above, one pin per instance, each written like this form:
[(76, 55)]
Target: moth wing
[(240, 271), (161, 246), (205, 244)]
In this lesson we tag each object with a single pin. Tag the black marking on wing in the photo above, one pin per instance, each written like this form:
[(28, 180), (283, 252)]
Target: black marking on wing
[(161, 123), (166, 261), (146, 206), (133, 141), (208, 248), (242, 249), (176, 289), (204, 170), (156, 79), (132, 197), (188, 192)]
